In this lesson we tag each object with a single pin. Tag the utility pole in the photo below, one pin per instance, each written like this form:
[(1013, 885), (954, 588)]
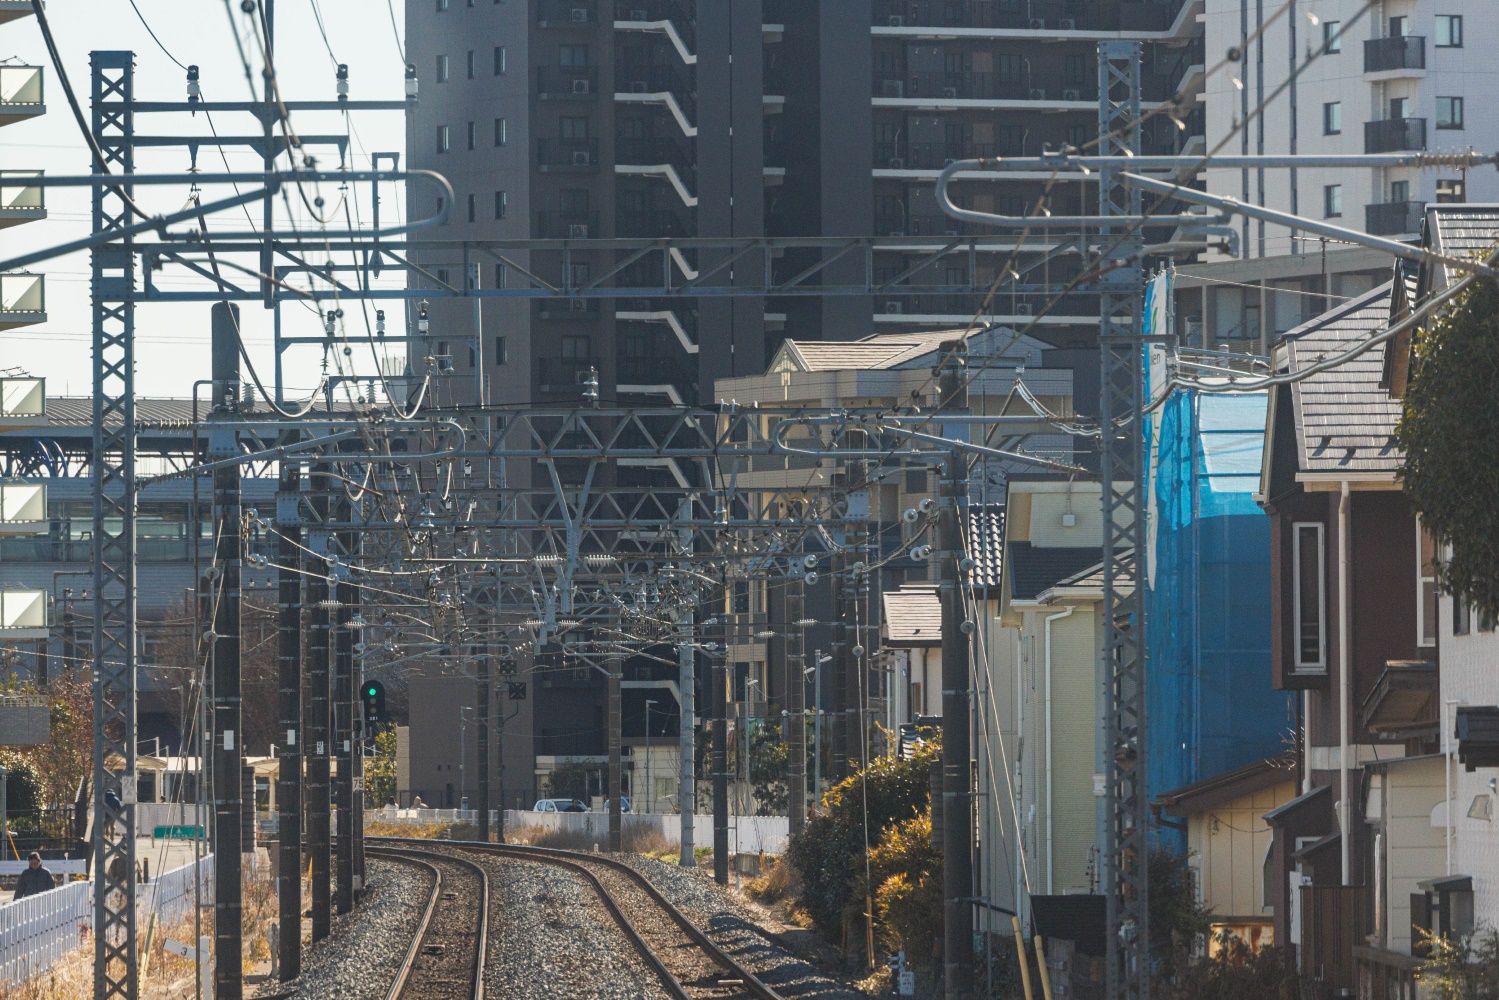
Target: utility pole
[(484, 699), (957, 817), (315, 727), (796, 697), (289, 684), (227, 743), (616, 764), (686, 710), (343, 708), (720, 765)]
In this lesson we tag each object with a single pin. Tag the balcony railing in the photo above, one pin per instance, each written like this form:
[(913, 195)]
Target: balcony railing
[(659, 10), (20, 92), (21, 199), (23, 299), (655, 370), (567, 13), (649, 224), (1395, 135), (936, 155), (978, 86), (1131, 15), (568, 225), (633, 78), (650, 152), (1398, 52), (567, 82), (1026, 303), (1393, 218), (567, 154)]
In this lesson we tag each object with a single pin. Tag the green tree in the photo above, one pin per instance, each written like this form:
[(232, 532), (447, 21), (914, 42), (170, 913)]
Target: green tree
[(380, 770), (1177, 920), (568, 781), (1466, 968), (1449, 431), (769, 759)]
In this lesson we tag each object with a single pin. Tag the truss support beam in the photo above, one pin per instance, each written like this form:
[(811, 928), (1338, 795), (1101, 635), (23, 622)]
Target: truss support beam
[(112, 279), (1120, 346)]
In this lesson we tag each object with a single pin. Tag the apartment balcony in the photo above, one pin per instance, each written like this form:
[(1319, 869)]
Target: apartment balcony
[(20, 94), (567, 83), (578, 309), (1391, 57), (936, 155), (944, 14), (657, 151), (10, 10), (657, 370), (567, 155), (649, 224), (23, 402), (564, 375), (23, 299), (1078, 308), (21, 199), (1394, 218), (642, 82), (976, 86), (1395, 135), (568, 225), (645, 15), (923, 15), (567, 13)]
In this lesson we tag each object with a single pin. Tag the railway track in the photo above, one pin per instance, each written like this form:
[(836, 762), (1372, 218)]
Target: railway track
[(447, 953), (688, 963)]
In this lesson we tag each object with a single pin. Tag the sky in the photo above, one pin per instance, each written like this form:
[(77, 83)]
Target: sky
[(172, 339)]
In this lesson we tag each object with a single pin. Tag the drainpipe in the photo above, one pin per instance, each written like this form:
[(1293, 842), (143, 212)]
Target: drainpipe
[(1050, 766), (1345, 681)]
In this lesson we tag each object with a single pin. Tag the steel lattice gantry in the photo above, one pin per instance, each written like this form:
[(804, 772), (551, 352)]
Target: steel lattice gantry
[(1125, 854), (112, 278)]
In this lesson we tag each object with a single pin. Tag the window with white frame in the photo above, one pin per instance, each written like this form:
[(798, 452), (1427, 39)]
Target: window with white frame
[(1426, 587), (1309, 594)]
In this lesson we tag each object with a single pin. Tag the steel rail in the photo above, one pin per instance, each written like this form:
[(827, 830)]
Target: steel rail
[(419, 857), (577, 862)]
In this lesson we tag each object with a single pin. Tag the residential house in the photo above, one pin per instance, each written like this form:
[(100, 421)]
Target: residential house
[(1355, 636)]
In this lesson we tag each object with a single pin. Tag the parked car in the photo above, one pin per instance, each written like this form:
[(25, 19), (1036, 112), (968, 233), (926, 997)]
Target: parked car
[(624, 804), (559, 806)]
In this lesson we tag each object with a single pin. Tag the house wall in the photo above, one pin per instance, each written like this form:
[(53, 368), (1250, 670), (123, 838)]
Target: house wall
[(996, 746), (1412, 849), (1470, 677), (1227, 847)]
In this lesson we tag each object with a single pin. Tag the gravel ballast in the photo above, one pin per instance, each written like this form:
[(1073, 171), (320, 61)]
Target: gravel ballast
[(739, 931), (358, 960)]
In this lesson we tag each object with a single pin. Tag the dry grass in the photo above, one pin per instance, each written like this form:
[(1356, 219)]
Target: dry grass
[(419, 831), (651, 843), (777, 881)]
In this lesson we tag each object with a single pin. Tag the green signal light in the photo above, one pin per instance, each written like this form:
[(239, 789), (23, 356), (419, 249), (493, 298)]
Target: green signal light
[(370, 692)]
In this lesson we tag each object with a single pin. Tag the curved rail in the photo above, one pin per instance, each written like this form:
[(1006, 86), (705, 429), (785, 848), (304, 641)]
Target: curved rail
[(402, 982), (738, 979)]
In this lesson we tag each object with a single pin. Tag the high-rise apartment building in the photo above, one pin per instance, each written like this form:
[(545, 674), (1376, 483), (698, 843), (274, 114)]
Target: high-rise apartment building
[(1338, 76)]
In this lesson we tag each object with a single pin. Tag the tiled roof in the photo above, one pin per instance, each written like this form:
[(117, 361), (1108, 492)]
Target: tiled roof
[(1092, 579), (913, 615), (986, 544), (1461, 231), (879, 351), (159, 413), (1036, 568), (1345, 420)]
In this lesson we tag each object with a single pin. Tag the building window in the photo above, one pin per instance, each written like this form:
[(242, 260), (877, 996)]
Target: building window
[(1009, 68), (442, 5), (501, 131), (443, 140), (1332, 36), (576, 348), (442, 279), (1075, 68), (1449, 112), (1449, 31), (1309, 593), (572, 55), (499, 350), (1426, 587), (501, 204), (1400, 190), (1462, 615), (499, 59), (1398, 26), (573, 203), (1399, 107), (1332, 201), (572, 128), (471, 208), (1451, 190), (442, 69), (1332, 118), (500, 276), (472, 132)]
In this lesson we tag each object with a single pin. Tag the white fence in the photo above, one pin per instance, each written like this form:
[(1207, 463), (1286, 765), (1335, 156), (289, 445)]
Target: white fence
[(38, 931), (747, 834)]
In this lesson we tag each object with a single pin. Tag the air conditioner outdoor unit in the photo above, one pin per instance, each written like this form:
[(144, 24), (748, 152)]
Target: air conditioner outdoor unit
[(581, 158), (896, 21), (581, 86), (949, 92), (640, 14), (892, 88), (894, 307), (897, 163), (580, 15), (1037, 94), (1068, 24), (640, 87), (577, 230), (1038, 24), (1023, 309), (1072, 95)]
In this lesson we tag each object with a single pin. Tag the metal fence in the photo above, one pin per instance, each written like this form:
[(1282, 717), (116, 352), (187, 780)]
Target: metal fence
[(38, 931)]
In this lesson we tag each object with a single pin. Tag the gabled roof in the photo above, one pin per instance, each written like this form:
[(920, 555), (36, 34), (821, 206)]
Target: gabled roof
[(986, 544), (1033, 569), (913, 615), (884, 351), (1210, 793), (1344, 419)]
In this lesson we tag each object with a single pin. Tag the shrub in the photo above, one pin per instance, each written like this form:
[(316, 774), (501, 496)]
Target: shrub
[(907, 871), (1237, 972), (1463, 969)]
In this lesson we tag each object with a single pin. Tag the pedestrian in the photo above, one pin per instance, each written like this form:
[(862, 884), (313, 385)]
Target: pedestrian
[(35, 879), (112, 808)]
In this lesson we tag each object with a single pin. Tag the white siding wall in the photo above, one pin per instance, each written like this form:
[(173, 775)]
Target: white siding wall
[(1470, 676)]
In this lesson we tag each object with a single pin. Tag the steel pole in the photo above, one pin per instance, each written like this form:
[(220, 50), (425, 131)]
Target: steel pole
[(343, 714), (796, 697), (227, 745), (616, 764), (484, 698), (720, 766), (289, 684), (315, 727), (686, 713)]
